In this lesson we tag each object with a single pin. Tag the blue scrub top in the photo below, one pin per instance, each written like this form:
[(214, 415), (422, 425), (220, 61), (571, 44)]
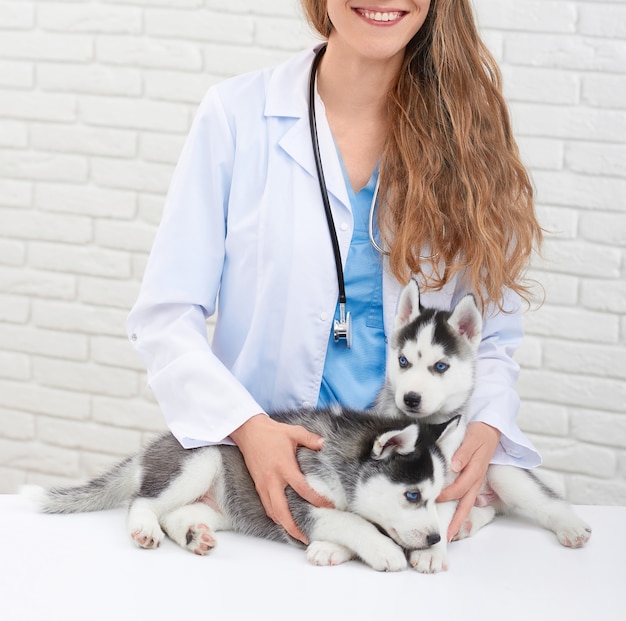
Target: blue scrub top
[(353, 377)]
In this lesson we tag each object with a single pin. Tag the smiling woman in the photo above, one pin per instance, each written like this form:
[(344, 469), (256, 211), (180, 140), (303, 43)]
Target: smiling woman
[(405, 98)]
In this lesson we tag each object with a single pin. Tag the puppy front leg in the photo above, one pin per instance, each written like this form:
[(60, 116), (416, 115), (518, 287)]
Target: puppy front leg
[(356, 534), (327, 553)]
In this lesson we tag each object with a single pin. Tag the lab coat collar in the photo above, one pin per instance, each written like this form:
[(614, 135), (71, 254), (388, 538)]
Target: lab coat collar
[(287, 96)]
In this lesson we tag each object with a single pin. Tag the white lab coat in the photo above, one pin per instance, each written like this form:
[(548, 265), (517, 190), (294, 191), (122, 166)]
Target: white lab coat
[(244, 222)]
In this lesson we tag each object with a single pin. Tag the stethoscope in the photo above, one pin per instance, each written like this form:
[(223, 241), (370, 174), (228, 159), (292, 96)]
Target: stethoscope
[(342, 328)]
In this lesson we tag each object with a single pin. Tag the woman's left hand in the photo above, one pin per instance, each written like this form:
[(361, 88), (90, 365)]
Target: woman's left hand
[(471, 460)]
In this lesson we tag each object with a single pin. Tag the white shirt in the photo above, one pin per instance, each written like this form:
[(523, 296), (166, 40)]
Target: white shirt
[(243, 220)]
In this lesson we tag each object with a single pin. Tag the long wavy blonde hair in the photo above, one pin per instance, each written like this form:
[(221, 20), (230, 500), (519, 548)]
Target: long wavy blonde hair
[(458, 200)]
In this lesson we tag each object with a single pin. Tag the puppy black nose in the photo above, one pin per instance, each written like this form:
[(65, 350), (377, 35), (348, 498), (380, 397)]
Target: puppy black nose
[(412, 400), (433, 538)]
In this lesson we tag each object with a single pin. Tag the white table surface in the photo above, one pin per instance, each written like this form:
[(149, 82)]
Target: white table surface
[(84, 567)]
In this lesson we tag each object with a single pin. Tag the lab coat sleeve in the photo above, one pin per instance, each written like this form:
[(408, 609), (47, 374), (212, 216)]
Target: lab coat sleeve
[(495, 400), (200, 398)]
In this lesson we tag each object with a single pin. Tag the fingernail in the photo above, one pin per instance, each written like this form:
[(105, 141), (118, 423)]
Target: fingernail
[(456, 465)]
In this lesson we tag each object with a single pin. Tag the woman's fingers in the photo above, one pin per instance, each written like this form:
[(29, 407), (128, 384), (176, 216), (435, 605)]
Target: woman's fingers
[(278, 511), (466, 502), (269, 450), (471, 460)]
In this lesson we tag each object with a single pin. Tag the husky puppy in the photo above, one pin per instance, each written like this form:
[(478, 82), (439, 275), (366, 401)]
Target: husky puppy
[(382, 473), (430, 375)]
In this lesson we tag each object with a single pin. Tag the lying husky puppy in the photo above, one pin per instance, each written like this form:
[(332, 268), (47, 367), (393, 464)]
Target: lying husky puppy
[(381, 473), (430, 375)]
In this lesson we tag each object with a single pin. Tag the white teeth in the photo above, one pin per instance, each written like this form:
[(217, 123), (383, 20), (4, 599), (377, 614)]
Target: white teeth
[(377, 16)]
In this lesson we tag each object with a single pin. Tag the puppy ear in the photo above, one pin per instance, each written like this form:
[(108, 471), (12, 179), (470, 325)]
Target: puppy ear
[(408, 305), (401, 441), (450, 435), (466, 320)]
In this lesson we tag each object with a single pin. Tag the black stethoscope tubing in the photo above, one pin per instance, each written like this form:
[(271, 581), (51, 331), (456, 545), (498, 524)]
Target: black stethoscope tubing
[(342, 328), (320, 175)]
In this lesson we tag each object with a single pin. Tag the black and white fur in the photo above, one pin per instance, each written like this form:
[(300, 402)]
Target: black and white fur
[(382, 473), (430, 374)]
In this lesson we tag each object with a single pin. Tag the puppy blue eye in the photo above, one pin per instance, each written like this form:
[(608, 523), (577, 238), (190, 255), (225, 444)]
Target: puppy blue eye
[(403, 362), (413, 496), (441, 367)]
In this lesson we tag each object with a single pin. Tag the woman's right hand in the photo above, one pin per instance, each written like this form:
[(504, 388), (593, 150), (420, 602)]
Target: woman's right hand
[(269, 450)]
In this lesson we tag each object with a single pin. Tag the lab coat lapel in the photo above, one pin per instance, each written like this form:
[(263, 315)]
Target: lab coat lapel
[(391, 293), (287, 96)]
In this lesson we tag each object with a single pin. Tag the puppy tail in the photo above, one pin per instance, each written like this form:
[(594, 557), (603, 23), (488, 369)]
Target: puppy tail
[(106, 492)]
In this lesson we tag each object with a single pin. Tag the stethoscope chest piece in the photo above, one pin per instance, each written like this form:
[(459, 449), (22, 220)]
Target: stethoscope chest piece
[(343, 326)]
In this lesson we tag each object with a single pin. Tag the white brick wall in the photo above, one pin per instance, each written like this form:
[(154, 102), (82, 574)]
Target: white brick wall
[(95, 100)]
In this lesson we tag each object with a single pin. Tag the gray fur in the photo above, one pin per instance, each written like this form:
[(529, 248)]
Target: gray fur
[(161, 463)]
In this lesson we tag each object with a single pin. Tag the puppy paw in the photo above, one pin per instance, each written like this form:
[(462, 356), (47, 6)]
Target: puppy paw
[(147, 538), (386, 556), (325, 553), (574, 534), (428, 561), (199, 539)]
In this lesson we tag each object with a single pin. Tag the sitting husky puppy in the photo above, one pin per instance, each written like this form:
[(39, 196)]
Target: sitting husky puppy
[(383, 474), (430, 374)]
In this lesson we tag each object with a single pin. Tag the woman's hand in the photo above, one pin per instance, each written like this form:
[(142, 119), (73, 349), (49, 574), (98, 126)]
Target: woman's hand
[(269, 450), (471, 460)]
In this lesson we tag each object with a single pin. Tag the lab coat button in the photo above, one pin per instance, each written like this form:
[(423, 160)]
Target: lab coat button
[(344, 226), (324, 316)]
